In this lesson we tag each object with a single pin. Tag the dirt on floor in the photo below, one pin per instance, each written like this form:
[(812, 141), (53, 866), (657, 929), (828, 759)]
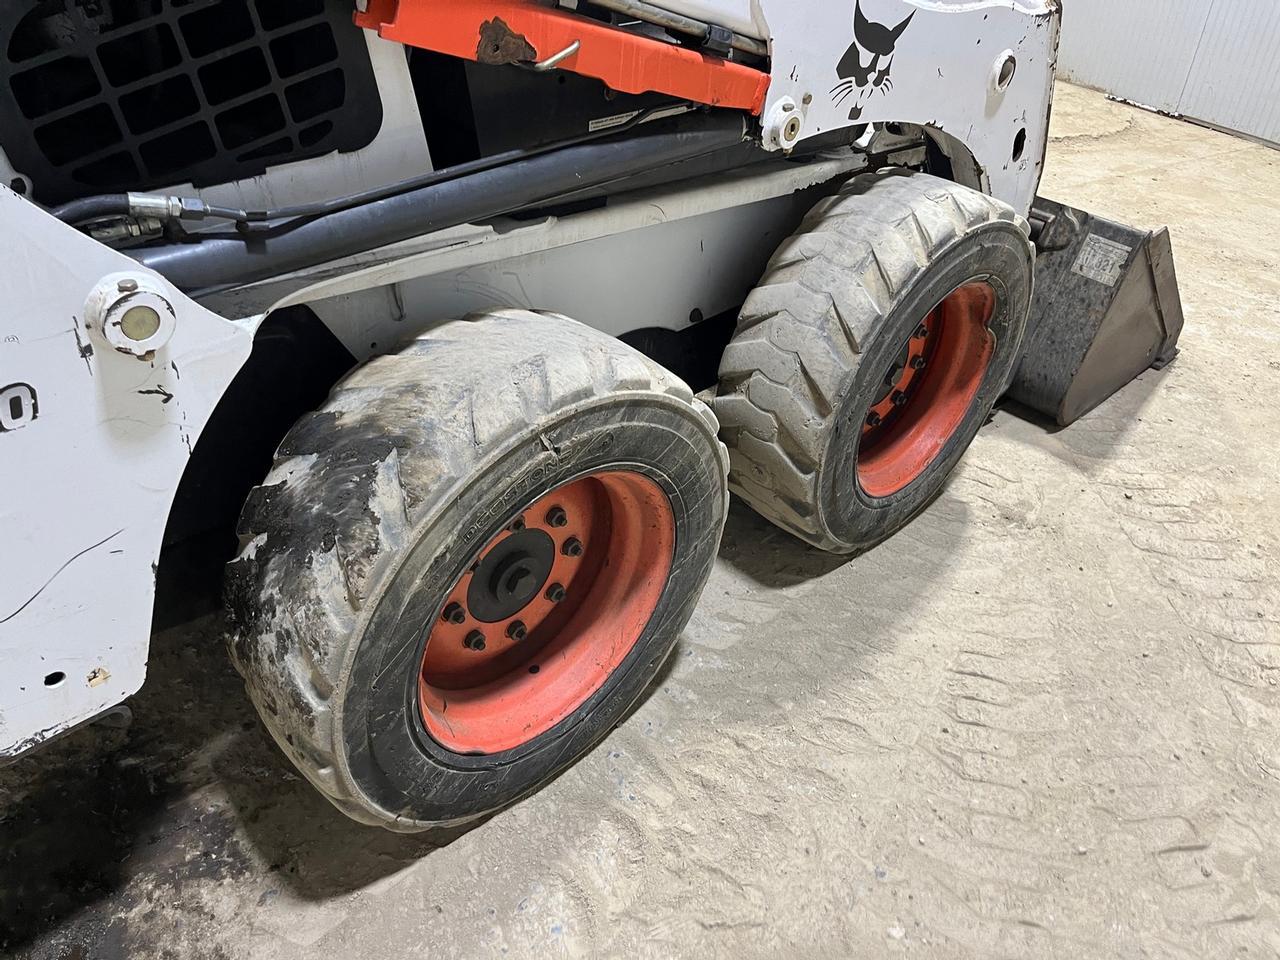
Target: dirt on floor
[(1042, 722)]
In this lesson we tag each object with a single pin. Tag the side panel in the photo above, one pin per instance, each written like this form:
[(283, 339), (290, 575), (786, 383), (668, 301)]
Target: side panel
[(93, 442), (653, 276), (981, 71)]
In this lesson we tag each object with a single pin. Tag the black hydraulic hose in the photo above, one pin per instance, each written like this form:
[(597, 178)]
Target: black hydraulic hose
[(322, 207), (164, 207), (93, 208), (209, 263)]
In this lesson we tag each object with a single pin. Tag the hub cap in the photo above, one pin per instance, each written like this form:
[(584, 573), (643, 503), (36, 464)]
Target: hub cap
[(548, 610), (927, 391)]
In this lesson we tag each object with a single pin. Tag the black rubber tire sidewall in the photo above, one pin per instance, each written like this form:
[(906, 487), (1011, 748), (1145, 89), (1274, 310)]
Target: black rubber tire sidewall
[(391, 757), (995, 253)]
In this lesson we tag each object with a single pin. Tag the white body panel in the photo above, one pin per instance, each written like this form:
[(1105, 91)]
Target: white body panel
[(87, 473), (939, 72)]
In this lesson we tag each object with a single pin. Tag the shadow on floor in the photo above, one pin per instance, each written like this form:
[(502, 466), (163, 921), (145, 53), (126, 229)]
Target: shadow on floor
[(104, 823)]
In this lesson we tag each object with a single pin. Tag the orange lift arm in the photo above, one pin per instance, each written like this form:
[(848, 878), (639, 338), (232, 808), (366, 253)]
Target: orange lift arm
[(521, 31)]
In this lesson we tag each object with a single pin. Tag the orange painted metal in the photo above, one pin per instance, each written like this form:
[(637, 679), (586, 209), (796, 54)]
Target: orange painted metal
[(510, 691), (491, 30), (936, 395)]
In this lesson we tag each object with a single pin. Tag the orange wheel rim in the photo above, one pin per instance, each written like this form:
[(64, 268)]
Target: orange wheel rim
[(928, 391), (546, 613)]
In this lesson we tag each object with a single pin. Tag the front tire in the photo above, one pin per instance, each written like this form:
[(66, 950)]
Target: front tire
[(871, 353), (466, 568)]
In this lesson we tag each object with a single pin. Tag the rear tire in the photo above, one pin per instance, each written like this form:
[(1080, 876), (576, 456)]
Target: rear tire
[(421, 485), (871, 353)]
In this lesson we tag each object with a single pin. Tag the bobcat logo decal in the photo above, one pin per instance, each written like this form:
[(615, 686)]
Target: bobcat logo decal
[(864, 68)]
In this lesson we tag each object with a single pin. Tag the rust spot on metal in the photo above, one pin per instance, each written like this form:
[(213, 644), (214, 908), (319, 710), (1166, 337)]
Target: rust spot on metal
[(500, 44)]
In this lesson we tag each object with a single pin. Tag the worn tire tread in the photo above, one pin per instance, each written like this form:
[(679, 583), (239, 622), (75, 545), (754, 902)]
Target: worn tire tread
[(801, 330), (313, 559)]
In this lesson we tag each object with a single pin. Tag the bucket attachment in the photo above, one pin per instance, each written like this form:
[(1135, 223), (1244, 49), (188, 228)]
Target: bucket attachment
[(1106, 308)]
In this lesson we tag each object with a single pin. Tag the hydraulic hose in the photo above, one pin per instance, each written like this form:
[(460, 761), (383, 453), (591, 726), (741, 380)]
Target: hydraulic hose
[(163, 207), (213, 262), (93, 208)]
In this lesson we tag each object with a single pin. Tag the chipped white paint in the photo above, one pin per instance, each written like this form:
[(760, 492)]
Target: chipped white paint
[(86, 483), (929, 62)]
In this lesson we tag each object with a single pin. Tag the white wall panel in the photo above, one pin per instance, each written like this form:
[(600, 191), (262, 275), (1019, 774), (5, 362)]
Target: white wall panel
[(1235, 80), (1141, 50), (1217, 61)]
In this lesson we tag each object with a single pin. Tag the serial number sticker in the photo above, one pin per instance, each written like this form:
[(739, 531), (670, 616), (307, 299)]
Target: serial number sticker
[(18, 407), (1102, 260)]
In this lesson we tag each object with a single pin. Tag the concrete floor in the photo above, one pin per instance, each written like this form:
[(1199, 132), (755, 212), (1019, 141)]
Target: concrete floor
[(1042, 722)]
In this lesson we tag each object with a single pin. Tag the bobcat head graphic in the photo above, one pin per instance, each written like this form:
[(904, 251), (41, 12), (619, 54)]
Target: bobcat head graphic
[(865, 66)]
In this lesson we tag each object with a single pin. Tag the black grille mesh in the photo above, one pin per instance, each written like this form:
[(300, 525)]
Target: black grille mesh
[(109, 95)]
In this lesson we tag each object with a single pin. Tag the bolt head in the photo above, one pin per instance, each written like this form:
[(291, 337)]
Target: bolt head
[(874, 419), (556, 517), (572, 547), (556, 593), (919, 363), (899, 398), (517, 631), (922, 332), (517, 524), (474, 641), (127, 286), (454, 613)]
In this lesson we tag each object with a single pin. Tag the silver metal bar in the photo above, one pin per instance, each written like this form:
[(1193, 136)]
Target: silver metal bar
[(549, 64), (680, 23)]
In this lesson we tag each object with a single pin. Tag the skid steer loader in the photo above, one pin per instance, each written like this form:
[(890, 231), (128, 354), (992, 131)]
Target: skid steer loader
[(422, 291)]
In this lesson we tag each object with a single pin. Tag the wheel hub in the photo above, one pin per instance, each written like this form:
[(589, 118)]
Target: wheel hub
[(546, 612), (927, 391), (510, 575)]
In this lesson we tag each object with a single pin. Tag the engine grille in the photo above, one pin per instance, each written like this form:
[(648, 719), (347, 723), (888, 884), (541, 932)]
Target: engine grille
[(109, 95)]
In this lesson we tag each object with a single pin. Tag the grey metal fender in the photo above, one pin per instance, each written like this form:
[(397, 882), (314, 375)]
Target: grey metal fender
[(95, 431)]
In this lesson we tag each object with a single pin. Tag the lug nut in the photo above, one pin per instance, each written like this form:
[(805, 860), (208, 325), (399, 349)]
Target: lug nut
[(922, 332), (474, 641), (572, 547), (454, 613), (874, 419), (555, 593), (517, 524), (517, 631), (899, 398), (556, 517), (919, 363)]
